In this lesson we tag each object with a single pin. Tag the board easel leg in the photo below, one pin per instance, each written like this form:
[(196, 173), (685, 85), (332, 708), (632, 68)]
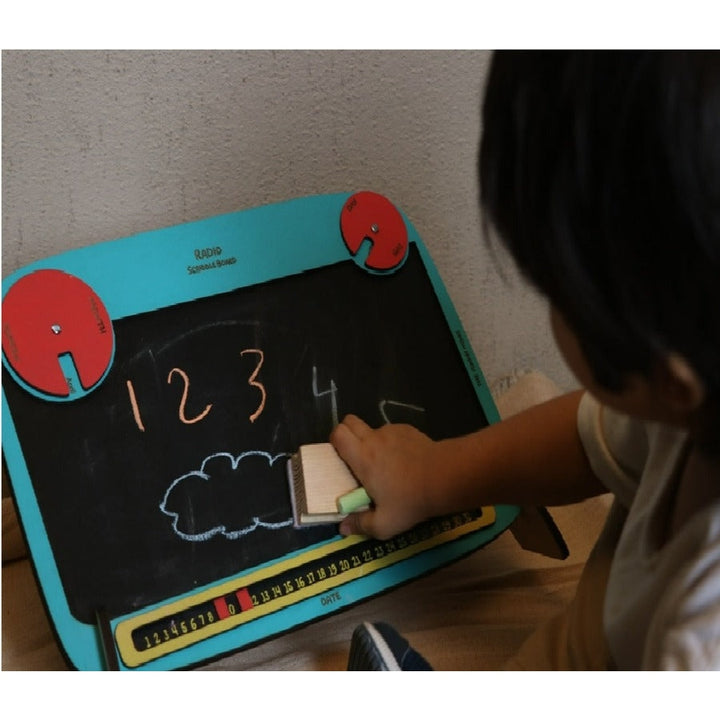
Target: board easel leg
[(535, 530), (106, 640)]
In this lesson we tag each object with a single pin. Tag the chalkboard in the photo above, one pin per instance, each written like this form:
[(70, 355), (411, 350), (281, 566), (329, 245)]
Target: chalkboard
[(170, 476)]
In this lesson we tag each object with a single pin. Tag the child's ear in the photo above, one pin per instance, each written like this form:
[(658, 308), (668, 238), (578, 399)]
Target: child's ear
[(680, 388)]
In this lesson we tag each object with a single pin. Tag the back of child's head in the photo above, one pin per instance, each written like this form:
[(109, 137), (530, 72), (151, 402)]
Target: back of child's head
[(601, 173)]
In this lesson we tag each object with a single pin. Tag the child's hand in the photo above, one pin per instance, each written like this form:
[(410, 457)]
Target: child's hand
[(395, 464)]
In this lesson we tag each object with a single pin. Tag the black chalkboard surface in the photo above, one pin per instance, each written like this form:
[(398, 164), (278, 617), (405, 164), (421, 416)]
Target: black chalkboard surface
[(320, 346), (170, 475)]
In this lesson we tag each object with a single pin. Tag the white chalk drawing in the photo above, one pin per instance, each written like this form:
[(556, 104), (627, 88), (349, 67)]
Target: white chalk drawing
[(384, 403), (221, 529), (333, 396), (250, 524), (333, 391)]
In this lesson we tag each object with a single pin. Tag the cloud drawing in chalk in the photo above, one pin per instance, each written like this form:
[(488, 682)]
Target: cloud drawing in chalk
[(229, 496)]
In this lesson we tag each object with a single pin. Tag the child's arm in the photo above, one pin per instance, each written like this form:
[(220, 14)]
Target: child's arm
[(533, 458)]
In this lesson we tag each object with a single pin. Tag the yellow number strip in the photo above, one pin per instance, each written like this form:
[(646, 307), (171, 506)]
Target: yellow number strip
[(133, 657)]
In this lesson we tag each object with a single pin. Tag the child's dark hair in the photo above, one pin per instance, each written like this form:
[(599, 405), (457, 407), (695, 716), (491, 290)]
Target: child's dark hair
[(601, 173)]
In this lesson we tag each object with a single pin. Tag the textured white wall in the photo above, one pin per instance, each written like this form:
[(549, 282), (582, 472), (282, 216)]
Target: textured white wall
[(100, 145)]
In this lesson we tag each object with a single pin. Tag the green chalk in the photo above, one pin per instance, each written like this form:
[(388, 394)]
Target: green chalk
[(352, 501)]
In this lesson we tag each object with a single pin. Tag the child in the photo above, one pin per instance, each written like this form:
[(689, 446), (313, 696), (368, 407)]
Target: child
[(601, 174)]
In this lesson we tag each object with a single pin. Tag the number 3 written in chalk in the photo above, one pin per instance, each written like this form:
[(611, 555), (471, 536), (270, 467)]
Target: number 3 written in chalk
[(182, 415)]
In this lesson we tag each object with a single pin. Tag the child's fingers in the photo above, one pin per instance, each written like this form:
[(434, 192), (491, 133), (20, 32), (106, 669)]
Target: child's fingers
[(358, 427), (361, 523), (347, 439), (350, 526)]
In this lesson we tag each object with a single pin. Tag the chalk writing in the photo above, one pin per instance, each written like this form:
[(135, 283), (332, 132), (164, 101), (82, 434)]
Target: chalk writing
[(333, 396), (205, 474), (384, 403), (333, 392), (258, 385), (253, 381), (134, 405), (181, 409)]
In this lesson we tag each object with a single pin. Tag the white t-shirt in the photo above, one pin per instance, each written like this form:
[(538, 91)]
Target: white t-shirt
[(662, 599)]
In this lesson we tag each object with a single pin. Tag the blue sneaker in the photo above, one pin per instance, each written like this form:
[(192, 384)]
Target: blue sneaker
[(378, 646)]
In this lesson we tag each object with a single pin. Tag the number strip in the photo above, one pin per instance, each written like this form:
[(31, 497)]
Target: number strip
[(181, 623)]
